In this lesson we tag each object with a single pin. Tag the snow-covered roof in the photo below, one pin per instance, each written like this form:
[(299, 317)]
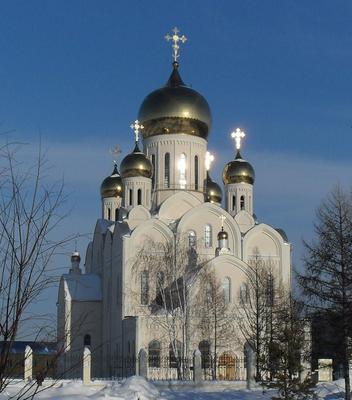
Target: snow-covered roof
[(86, 287)]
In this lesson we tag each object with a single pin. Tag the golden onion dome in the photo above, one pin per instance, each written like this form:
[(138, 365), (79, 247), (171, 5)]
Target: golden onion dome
[(213, 192), (175, 108), (136, 164), (112, 185), (238, 171), (222, 234)]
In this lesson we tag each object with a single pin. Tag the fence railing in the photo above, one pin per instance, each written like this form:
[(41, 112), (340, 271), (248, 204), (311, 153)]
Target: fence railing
[(161, 368)]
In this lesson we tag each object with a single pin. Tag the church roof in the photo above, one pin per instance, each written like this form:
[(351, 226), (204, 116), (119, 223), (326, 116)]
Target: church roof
[(86, 287)]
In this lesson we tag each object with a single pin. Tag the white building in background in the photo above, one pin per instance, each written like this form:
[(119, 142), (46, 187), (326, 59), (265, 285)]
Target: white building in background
[(162, 192)]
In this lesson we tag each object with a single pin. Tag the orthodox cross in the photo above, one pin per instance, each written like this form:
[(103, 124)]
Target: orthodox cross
[(238, 135), (136, 126), (209, 158), (115, 153), (176, 39), (222, 217)]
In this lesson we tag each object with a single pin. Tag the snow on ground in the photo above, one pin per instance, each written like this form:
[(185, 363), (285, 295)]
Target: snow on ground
[(137, 388)]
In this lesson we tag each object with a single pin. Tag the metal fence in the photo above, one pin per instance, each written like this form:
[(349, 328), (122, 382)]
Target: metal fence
[(225, 367)]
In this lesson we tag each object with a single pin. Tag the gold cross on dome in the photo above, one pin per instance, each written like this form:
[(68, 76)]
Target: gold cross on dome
[(176, 39), (136, 126), (222, 217), (238, 135), (209, 158), (115, 153)]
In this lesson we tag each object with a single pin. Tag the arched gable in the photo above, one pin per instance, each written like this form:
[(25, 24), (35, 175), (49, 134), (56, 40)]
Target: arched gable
[(209, 213), (264, 238), (174, 207), (153, 229), (244, 220), (137, 215), (225, 267)]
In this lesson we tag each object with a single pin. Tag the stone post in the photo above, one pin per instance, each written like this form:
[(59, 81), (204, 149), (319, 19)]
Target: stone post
[(197, 367), (28, 364), (250, 357), (87, 365), (143, 364)]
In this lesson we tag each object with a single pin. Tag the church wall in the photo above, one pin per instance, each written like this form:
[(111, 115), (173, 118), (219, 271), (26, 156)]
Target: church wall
[(85, 320)]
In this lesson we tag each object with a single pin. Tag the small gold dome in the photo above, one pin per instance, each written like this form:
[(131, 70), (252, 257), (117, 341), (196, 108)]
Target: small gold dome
[(213, 193), (112, 185), (136, 164), (175, 108), (238, 171), (222, 234)]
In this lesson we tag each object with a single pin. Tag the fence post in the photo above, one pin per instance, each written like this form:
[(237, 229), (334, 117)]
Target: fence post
[(197, 366), (143, 364), (28, 364), (87, 365), (250, 357)]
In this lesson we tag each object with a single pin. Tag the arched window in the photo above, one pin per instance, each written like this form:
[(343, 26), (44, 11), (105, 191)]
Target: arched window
[(86, 340), (182, 164), (167, 170), (204, 348), (131, 197), (139, 196), (144, 288), (153, 176), (175, 359), (160, 277), (242, 202), (154, 354), (226, 289), (109, 213), (196, 172), (244, 295), (233, 203), (192, 239), (207, 236)]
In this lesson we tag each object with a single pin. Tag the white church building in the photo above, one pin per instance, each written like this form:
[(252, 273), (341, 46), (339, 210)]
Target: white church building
[(160, 191)]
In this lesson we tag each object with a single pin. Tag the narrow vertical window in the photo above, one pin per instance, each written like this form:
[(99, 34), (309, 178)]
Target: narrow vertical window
[(154, 349), (207, 236), (144, 288), (167, 170), (86, 340), (244, 295), (196, 172), (131, 197), (242, 203), (226, 289), (109, 213), (153, 176), (116, 214), (192, 239), (182, 170), (139, 196), (233, 203)]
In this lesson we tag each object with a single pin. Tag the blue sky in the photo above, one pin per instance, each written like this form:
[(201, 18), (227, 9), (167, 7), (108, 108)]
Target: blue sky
[(76, 72)]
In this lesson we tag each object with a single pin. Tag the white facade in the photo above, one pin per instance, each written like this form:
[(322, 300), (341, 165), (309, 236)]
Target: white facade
[(101, 307)]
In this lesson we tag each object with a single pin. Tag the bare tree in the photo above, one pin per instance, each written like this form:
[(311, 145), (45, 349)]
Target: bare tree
[(327, 279), (255, 312), (164, 274), (215, 319), (30, 210)]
